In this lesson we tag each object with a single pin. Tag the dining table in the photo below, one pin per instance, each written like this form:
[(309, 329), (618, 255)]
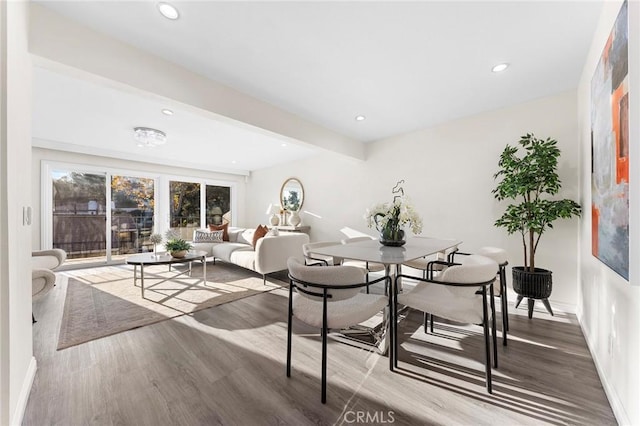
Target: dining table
[(392, 258)]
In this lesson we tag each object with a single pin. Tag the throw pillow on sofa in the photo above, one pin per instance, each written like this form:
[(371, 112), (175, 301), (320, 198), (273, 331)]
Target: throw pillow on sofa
[(224, 228), (260, 232), (208, 236)]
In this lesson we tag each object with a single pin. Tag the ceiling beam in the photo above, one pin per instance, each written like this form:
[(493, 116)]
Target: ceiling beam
[(55, 39)]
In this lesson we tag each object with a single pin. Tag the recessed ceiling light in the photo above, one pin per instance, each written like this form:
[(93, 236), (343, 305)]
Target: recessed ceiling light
[(500, 67), (167, 111), (284, 144), (360, 118), (168, 11), (233, 162)]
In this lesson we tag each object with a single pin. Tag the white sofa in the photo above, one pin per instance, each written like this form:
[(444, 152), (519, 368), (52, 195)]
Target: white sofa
[(270, 254)]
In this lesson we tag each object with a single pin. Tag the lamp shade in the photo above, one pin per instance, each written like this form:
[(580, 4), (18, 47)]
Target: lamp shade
[(273, 209)]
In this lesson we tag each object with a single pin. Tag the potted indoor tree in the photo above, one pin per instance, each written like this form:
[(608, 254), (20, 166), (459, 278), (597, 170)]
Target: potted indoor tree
[(528, 176)]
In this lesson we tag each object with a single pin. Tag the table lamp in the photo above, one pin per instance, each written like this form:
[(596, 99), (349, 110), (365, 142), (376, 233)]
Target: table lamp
[(274, 210)]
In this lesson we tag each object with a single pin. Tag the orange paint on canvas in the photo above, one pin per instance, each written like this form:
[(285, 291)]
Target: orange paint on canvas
[(619, 114)]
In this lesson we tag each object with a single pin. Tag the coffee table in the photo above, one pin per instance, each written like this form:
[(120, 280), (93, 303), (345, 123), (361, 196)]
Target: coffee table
[(150, 259)]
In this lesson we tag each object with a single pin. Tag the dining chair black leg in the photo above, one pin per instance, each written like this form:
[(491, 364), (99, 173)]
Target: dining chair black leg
[(431, 322), (289, 327), (324, 349), (485, 324), (520, 297), (503, 308), (390, 334), (493, 327), (506, 300), (394, 296), (367, 267), (425, 322)]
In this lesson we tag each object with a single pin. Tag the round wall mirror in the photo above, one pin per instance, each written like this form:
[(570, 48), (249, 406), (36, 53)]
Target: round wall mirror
[(292, 195)]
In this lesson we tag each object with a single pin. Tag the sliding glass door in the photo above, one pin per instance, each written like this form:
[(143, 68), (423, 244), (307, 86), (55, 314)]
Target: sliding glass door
[(185, 203), (79, 214), (132, 214), (218, 205), (99, 215)]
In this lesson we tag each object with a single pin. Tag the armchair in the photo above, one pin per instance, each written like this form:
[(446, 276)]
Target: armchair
[(328, 298), (313, 258), (500, 257), (459, 294), (43, 262), (367, 266), (48, 259)]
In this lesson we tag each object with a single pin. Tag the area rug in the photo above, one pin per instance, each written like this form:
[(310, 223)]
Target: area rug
[(104, 301)]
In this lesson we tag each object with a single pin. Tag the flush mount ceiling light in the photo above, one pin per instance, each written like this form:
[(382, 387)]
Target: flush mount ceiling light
[(167, 111), (360, 118), (168, 11), (500, 67), (148, 137)]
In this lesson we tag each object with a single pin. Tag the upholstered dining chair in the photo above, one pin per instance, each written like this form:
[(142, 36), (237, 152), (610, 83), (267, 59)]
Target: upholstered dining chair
[(328, 298), (312, 258), (500, 257), (459, 294), (368, 266), (425, 263)]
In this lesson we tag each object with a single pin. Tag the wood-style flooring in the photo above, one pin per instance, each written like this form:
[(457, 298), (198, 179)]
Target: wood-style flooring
[(226, 365)]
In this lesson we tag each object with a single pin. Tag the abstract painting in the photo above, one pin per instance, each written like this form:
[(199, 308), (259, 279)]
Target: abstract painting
[(610, 151)]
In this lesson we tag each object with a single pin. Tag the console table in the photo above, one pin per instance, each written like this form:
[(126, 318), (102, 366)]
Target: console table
[(289, 228)]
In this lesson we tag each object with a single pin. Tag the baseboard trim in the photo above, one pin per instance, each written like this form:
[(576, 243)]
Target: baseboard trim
[(616, 405), (24, 392)]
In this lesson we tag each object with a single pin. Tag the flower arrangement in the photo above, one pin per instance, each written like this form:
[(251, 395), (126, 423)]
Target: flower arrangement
[(390, 218)]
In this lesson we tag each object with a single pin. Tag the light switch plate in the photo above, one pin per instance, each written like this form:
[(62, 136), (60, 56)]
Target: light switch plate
[(26, 215)]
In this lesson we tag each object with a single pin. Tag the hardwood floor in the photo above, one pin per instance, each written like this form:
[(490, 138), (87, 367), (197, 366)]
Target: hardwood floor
[(226, 365)]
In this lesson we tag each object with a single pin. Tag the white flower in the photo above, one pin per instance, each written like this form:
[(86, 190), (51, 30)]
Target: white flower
[(397, 214)]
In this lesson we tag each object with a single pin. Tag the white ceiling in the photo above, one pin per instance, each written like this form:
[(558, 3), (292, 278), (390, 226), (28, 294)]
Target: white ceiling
[(82, 116), (404, 65)]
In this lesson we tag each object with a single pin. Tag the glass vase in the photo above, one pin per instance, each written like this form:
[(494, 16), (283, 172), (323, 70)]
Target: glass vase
[(392, 237)]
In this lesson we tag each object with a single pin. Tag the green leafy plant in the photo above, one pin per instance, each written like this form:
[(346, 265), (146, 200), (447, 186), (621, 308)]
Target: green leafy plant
[(528, 174), (177, 244)]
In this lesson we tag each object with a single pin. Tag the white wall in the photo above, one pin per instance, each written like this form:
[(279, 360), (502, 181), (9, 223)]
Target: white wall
[(17, 366), (608, 305), (448, 172), (41, 154)]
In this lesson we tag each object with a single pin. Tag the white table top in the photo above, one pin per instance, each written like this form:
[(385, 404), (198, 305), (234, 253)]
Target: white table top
[(373, 251)]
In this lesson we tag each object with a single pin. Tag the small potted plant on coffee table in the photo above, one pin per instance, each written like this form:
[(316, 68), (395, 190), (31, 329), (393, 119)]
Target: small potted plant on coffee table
[(177, 247), (528, 175)]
